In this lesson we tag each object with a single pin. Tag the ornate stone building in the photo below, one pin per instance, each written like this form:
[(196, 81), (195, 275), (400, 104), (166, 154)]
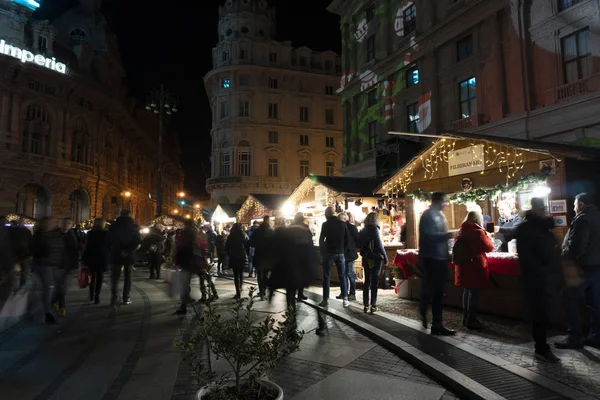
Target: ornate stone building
[(507, 68), (71, 142), (276, 116)]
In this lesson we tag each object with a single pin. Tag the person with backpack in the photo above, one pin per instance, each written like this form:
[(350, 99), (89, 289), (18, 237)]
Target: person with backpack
[(471, 273), (373, 257), (124, 239)]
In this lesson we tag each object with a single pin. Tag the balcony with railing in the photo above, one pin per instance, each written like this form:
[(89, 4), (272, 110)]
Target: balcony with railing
[(571, 90)]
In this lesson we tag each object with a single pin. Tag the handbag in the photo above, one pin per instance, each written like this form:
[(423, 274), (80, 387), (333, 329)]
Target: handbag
[(84, 277), (371, 253)]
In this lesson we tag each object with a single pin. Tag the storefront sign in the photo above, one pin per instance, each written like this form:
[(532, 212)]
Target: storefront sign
[(464, 161), (27, 56)]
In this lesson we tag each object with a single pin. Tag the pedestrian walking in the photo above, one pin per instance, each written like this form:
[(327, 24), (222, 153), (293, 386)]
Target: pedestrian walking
[(582, 246), (48, 248), (124, 239), (434, 256), (154, 242), (70, 263), (539, 257), (212, 242), (373, 256), (21, 243), (236, 249), (96, 256), (351, 254), (260, 240), (251, 231), (333, 243), (220, 244), (471, 272)]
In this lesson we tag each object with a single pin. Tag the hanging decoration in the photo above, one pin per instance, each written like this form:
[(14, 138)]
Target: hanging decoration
[(362, 30), (466, 184), (399, 21)]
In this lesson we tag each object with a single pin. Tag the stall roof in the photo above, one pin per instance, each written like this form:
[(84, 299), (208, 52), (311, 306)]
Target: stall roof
[(362, 187), (229, 208), (551, 149), (271, 201)]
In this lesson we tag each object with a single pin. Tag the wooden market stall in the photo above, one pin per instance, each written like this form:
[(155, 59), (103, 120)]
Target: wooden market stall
[(490, 175), (225, 214), (257, 206)]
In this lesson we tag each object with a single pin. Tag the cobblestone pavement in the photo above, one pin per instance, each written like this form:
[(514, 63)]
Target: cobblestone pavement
[(509, 340)]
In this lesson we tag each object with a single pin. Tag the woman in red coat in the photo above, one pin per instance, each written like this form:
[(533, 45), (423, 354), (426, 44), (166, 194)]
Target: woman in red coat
[(473, 275)]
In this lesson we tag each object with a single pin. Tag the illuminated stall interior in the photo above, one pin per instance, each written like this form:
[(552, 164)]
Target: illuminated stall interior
[(257, 206), (225, 214), (29, 223)]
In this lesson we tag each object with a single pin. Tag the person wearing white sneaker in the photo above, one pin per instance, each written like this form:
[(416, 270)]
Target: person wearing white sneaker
[(373, 255), (333, 243)]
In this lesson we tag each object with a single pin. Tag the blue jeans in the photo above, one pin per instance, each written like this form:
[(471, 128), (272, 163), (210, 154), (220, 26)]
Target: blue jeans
[(60, 291), (590, 289), (371, 281), (351, 277), (432, 288), (469, 303), (250, 266), (340, 262)]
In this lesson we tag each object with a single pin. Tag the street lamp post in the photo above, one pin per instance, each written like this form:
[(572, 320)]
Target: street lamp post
[(160, 104)]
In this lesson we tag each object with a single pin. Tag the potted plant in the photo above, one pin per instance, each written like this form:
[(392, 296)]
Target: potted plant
[(249, 348)]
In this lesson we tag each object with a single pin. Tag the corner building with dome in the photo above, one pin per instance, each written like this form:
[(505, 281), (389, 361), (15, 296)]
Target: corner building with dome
[(276, 116), (72, 144)]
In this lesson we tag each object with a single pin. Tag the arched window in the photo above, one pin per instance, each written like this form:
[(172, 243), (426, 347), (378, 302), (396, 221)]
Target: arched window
[(36, 135), (78, 36), (244, 159), (80, 142), (225, 159)]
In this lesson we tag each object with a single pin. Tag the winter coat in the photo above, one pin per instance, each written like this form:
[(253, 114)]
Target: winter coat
[(293, 257), (538, 251), (433, 235), (220, 244), (260, 240), (475, 274), (71, 250), (334, 237), (49, 248), (582, 242), (21, 242), (237, 250), (351, 253), (96, 254), (124, 238), (371, 233)]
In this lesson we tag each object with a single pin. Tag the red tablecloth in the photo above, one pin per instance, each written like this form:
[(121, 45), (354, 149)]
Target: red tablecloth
[(498, 263)]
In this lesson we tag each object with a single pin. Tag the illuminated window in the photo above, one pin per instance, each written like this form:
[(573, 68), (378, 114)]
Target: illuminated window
[(464, 48), (273, 57), (303, 140), (304, 166), (329, 168), (303, 114), (78, 36), (273, 137), (371, 48), (412, 76), (412, 117), (370, 12), (273, 83), (577, 56), (329, 90), (372, 128), (224, 109), (273, 111), (226, 83), (410, 20), (329, 141), (372, 97), (273, 167), (564, 4), (42, 44), (329, 120), (244, 108), (467, 96)]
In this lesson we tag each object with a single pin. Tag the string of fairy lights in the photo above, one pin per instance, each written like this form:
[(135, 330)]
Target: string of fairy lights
[(506, 158), (251, 208)]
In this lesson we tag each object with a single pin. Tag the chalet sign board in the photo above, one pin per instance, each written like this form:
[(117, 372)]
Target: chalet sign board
[(467, 160)]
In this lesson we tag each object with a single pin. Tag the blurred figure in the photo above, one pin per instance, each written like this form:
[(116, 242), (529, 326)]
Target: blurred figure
[(71, 262), (508, 222), (124, 238), (473, 275), (374, 256), (582, 245), (260, 240), (351, 254), (333, 243), (433, 256), (212, 242), (221, 253), (251, 231), (21, 243), (7, 264), (237, 253), (155, 243), (169, 248), (48, 256), (299, 221), (540, 264), (96, 256)]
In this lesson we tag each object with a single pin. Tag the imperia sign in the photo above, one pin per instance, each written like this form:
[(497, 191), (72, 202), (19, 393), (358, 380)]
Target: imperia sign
[(27, 56)]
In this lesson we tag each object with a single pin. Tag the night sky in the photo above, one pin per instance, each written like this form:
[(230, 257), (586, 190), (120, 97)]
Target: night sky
[(171, 42)]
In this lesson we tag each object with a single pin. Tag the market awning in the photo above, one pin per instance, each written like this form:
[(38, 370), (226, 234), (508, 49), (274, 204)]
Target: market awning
[(225, 212), (257, 205)]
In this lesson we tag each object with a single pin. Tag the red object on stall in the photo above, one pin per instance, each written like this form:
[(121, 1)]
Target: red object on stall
[(498, 263)]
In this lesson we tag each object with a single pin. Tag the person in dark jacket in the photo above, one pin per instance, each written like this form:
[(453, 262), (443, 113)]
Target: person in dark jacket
[(96, 256), (582, 246), (71, 262), (237, 251), (7, 263), (124, 238), (251, 231), (333, 243), (212, 243), (539, 257), (169, 248), (48, 248), (20, 242), (260, 241), (351, 254), (507, 226), (374, 257), (154, 242)]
